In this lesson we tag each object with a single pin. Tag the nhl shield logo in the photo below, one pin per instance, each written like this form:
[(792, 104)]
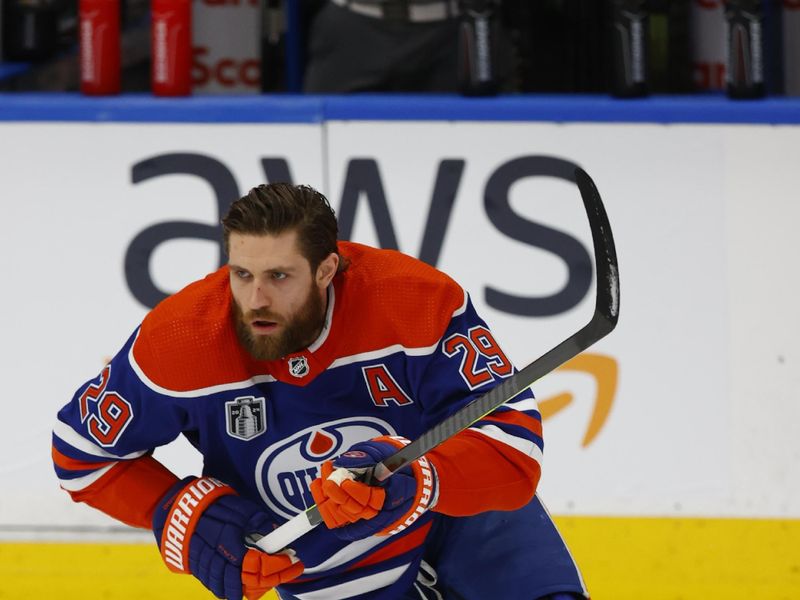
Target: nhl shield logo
[(298, 366), (246, 417)]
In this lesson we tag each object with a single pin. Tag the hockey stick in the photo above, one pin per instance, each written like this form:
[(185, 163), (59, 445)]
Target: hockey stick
[(601, 324)]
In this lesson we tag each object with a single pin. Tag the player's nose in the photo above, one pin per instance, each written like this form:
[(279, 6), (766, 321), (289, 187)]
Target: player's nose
[(259, 298)]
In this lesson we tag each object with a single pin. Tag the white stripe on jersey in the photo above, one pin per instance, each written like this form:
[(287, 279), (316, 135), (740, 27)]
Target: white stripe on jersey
[(523, 405), (389, 350), (79, 483), (67, 434), (362, 585), (346, 554), (224, 387), (527, 447), (460, 310)]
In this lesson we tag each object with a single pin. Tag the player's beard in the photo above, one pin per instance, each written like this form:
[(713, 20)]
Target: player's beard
[(297, 332)]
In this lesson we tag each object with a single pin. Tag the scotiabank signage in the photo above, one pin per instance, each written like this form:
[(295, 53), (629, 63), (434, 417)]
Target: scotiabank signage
[(226, 55)]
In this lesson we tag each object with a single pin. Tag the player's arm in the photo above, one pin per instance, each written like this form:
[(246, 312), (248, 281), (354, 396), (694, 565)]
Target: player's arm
[(102, 444), (493, 465), (102, 441)]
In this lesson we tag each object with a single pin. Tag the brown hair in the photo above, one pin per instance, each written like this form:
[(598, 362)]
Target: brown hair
[(279, 207)]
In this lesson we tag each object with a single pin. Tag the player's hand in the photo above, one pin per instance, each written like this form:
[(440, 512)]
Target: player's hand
[(200, 526), (261, 571), (355, 510)]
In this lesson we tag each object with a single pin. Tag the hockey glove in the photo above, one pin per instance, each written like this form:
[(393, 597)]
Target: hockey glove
[(261, 571), (355, 510), (200, 526)]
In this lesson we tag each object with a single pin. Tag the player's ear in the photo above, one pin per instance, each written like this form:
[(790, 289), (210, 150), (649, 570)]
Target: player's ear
[(327, 269)]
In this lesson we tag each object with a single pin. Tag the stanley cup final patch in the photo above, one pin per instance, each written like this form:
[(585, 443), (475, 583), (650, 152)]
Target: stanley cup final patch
[(246, 417), (298, 366)]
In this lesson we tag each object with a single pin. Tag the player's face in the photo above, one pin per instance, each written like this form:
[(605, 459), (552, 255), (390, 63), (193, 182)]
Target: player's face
[(279, 302)]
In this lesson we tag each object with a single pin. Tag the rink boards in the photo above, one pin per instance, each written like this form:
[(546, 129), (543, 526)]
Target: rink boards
[(678, 428), (621, 559)]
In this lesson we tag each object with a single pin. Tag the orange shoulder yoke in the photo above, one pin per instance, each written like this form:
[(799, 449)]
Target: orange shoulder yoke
[(388, 298), (188, 342)]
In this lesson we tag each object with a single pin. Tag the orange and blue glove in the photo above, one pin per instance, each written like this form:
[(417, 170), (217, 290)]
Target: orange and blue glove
[(200, 526), (261, 571), (355, 510)]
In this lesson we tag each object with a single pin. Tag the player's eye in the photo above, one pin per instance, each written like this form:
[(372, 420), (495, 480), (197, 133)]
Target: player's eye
[(278, 275), (242, 274)]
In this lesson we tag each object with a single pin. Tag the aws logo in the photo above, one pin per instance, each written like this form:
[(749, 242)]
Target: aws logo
[(604, 370), (285, 470)]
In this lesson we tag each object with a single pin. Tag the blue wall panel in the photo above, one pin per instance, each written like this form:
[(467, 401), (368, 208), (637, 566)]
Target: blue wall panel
[(314, 109)]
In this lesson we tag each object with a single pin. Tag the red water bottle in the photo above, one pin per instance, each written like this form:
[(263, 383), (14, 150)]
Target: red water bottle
[(171, 44), (99, 46)]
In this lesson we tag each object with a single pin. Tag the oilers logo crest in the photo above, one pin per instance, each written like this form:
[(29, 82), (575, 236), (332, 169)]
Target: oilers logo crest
[(245, 417), (285, 470)]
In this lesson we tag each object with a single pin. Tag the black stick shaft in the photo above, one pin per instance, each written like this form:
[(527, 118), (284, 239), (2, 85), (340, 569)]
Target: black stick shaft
[(601, 324)]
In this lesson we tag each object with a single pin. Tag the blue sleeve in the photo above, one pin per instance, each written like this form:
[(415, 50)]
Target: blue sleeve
[(113, 417)]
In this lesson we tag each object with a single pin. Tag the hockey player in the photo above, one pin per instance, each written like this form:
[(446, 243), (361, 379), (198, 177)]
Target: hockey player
[(300, 358)]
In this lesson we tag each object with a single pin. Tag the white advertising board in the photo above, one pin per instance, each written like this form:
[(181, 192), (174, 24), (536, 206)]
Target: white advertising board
[(661, 418)]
